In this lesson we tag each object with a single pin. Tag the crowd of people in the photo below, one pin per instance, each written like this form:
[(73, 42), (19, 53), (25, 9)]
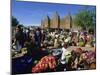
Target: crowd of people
[(36, 45)]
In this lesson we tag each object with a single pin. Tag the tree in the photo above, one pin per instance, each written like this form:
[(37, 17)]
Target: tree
[(15, 22), (85, 19)]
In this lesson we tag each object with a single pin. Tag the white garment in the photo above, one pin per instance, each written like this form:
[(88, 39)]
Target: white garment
[(68, 39), (66, 54), (63, 53)]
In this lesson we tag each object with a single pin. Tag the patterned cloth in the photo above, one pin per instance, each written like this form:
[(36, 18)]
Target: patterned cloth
[(47, 62)]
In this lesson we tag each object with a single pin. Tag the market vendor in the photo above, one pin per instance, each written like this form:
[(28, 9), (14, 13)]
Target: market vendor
[(64, 48), (19, 38)]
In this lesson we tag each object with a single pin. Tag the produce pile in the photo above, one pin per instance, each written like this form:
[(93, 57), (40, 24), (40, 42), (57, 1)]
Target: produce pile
[(22, 52)]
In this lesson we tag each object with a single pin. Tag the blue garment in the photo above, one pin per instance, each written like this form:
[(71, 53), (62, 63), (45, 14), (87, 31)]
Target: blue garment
[(18, 46), (20, 39)]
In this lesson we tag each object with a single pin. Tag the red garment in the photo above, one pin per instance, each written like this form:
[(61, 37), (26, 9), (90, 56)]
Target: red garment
[(45, 63)]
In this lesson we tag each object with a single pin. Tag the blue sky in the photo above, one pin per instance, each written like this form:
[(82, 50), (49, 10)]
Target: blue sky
[(31, 13)]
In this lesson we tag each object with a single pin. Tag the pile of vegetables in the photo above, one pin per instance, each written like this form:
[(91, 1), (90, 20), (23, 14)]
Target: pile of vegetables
[(21, 53)]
